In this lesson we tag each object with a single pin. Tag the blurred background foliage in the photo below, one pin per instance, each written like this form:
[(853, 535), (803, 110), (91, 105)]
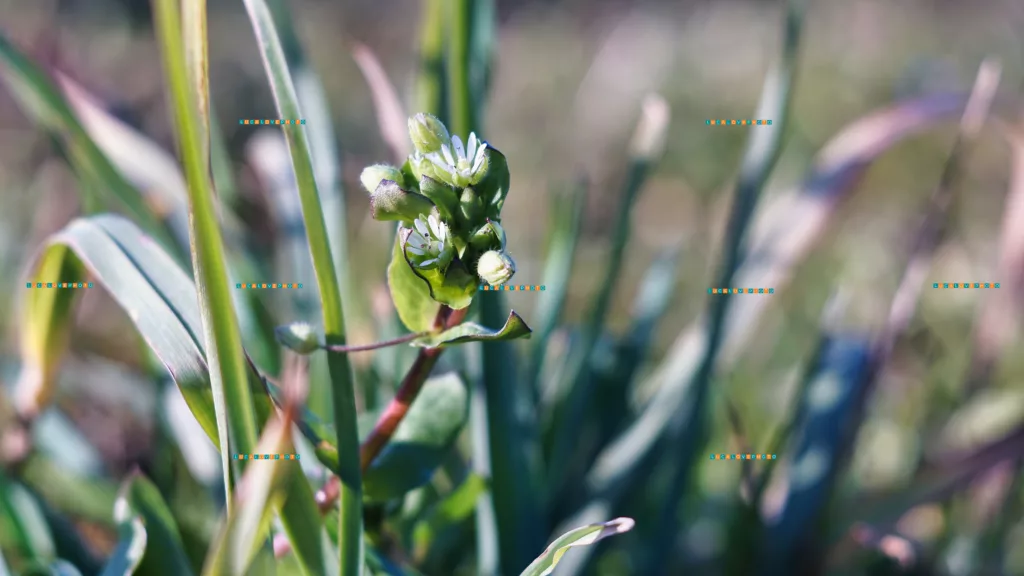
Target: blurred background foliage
[(566, 90)]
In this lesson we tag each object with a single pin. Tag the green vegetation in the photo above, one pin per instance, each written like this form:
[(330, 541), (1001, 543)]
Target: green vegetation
[(479, 439)]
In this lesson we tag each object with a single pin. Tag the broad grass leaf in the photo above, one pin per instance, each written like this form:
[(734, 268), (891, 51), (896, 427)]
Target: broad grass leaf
[(421, 441), (409, 292), (140, 507), (583, 536), (515, 327)]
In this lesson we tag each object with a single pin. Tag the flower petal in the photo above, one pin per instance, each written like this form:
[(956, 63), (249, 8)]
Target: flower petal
[(460, 152), (421, 227), (447, 153), (471, 146)]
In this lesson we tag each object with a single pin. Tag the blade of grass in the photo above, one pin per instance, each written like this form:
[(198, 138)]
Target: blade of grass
[(193, 27), (310, 98), (646, 148), (102, 187), (233, 401), (431, 87), (688, 432), (350, 528), (566, 225)]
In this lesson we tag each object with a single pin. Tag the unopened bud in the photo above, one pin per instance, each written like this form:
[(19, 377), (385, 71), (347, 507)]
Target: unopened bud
[(373, 175), (495, 267), (427, 133)]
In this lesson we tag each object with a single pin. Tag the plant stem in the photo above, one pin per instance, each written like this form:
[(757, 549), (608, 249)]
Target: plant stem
[(463, 120), (411, 385), (376, 345)]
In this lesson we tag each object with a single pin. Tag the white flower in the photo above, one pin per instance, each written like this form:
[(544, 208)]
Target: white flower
[(460, 166), (429, 244)]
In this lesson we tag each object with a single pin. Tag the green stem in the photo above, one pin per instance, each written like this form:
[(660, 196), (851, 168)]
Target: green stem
[(377, 345), (224, 354), (350, 521)]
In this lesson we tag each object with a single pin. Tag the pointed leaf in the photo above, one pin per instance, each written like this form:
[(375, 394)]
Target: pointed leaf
[(409, 292), (514, 328), (583, 536), (421, 441)]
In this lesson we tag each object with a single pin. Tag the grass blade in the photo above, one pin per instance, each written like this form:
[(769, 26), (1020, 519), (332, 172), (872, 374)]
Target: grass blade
[(343, 395), (688, 431), (583, 536), (566, 225), (193, 27), (645, 150), (311, 99), (127, 556), (431, 88), (101, 185), (233, 401)]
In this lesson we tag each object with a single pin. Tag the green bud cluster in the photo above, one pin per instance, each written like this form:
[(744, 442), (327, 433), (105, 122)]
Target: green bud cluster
[(448, 197)]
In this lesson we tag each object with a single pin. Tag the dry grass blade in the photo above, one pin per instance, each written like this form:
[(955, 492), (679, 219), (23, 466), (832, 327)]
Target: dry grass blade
[(391, 117)]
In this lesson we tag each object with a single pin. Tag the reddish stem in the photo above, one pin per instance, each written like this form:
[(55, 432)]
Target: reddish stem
[(376, 345), (399, 406)]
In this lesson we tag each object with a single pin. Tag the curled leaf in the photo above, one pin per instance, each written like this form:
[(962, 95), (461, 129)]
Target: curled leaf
[(409, 292), (583, 536), (514, 328)]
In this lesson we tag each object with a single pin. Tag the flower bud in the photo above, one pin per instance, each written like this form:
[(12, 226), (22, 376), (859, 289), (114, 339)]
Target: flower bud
[(299, 337), (390, 202), (495, 267), (427, 133), (373, 175), (490, 236)]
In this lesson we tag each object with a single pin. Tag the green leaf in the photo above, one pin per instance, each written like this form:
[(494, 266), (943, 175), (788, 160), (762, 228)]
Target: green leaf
[(23, 522), (160, 300), (583, 536), (421, 441), (320, 246), (409, 292), (262, 489), (494, 187), (454, 287), (101, 185), (229, 377), (455, 508), (514, 328), (140, 501)]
